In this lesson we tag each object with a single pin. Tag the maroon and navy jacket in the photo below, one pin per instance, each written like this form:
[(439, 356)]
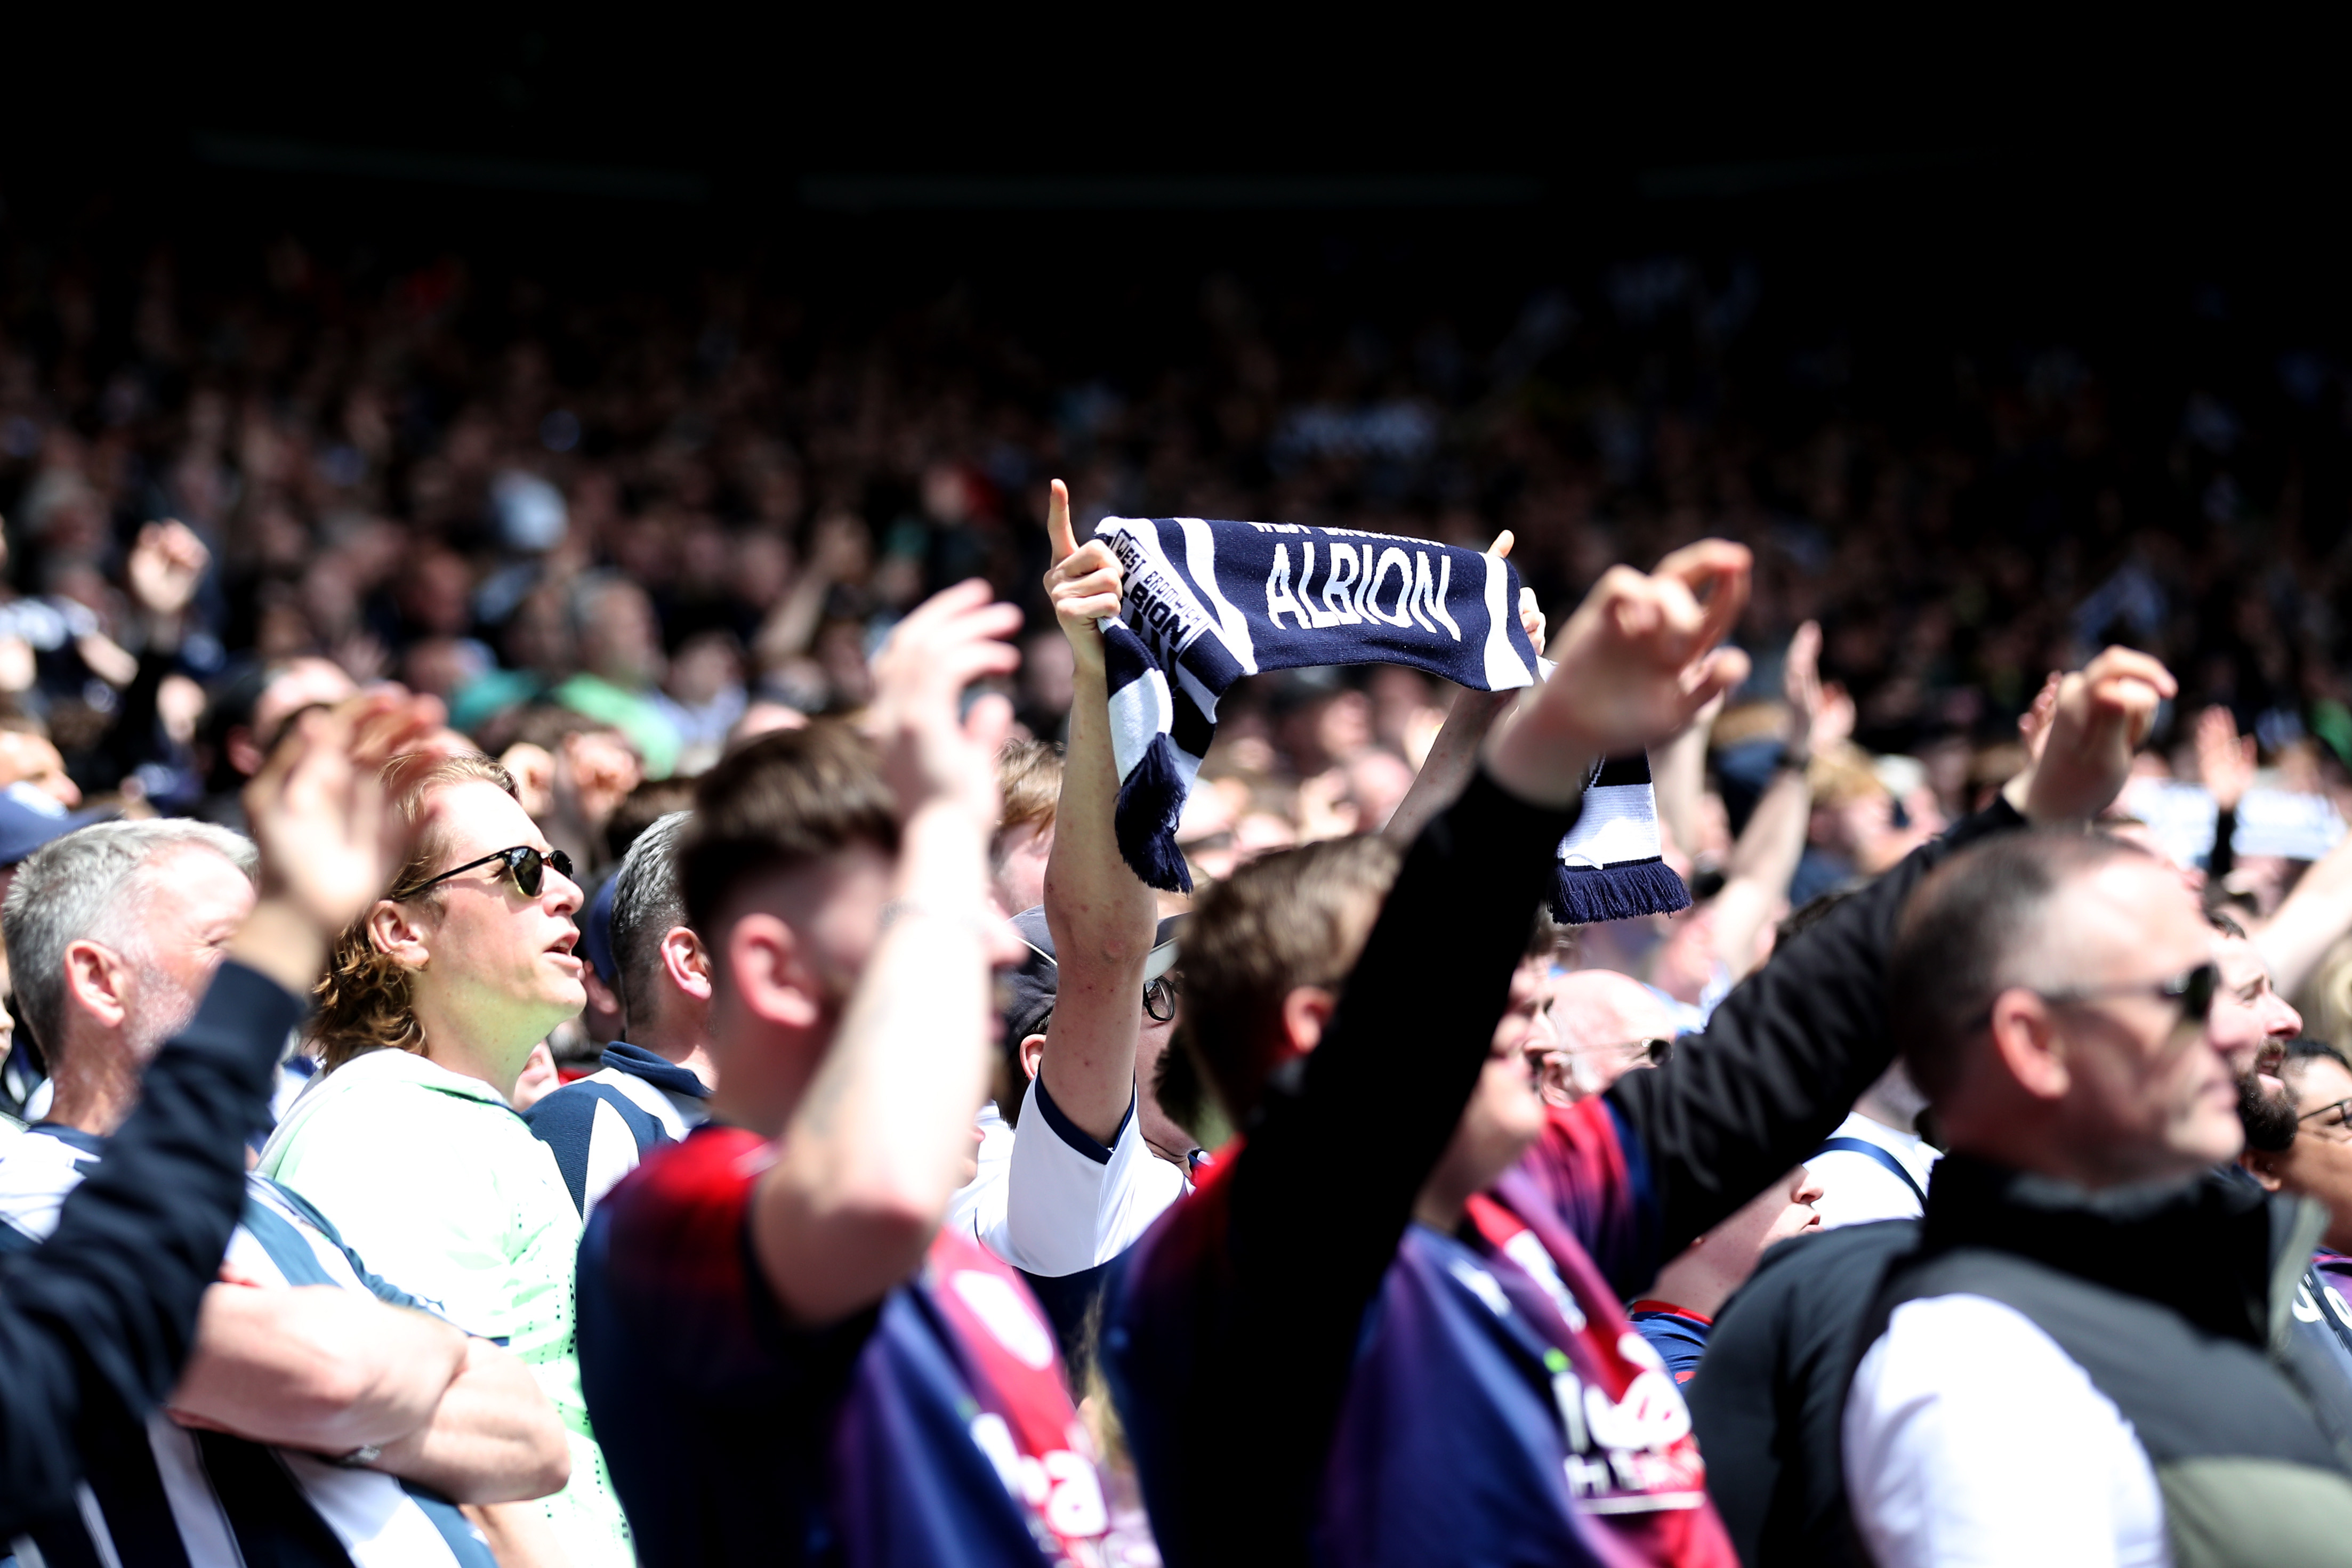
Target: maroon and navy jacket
[(933, 1428), (1306, 1375)]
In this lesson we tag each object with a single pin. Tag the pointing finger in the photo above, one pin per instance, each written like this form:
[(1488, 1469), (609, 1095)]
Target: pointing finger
[(1058, 522)]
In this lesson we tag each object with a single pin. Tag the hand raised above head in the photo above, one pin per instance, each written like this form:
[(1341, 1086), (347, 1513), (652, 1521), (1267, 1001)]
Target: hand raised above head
[(1639, 657), (2101, 714), (316, 809), (932, 753), (1085, 582)]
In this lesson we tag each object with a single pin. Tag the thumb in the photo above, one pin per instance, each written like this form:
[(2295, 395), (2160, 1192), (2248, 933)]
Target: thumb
[(1057, 524), (1501, 549)]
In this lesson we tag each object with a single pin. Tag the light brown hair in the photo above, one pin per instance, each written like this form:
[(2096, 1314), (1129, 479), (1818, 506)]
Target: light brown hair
[(364, 1002), (1029, 783), (1296, 917)]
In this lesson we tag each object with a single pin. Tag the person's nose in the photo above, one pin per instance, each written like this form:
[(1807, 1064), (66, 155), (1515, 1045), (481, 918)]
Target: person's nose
[(565, 895), (1809, 1189), (2284, 1022)]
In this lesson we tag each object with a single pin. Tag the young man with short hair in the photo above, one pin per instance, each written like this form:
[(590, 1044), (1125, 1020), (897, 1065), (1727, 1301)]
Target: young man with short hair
[(654, 1087), (793, 1360), (1405, 1347)]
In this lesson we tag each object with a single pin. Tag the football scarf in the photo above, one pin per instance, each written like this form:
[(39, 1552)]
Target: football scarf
[(1207, 602)]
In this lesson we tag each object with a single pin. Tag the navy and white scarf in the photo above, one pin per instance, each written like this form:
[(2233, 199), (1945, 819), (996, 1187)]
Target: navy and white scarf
[(1208, 602)]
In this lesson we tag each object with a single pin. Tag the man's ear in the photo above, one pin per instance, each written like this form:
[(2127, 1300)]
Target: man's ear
[(243, 751), (1556, 1079), (1033, 1051), (1306, 1012), (770, 973), (98, 981), (2026, 1043), (397, 933), (686, 962)]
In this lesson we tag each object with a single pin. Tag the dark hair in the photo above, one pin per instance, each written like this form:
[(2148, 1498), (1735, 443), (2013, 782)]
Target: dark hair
[(1957, 945), (1295, 918), (790, 797), (2305, 1049)]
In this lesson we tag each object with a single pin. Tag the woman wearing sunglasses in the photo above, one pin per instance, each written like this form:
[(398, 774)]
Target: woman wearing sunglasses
[(431, 1006)]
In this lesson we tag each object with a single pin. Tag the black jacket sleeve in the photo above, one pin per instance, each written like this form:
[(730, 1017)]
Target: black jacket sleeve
[(103, 1313), (1783, 1059), (1324, 1189)]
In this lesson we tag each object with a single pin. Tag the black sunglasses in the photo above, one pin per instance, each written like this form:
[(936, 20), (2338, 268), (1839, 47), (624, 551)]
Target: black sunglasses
[(525, 864), (2194, 989)]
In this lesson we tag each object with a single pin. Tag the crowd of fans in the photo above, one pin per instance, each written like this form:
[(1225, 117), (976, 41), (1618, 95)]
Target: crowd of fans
[(647, 718)]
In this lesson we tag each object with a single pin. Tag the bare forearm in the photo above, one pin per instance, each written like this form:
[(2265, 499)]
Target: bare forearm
[(1102, 918), (881, 1138), (493, 1437), (1678, 768), (316, 1367), (1453, 758), (2315, 915)]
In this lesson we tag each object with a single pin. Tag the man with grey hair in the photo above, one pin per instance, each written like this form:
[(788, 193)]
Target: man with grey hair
[(370, 1419), (653, 1085)]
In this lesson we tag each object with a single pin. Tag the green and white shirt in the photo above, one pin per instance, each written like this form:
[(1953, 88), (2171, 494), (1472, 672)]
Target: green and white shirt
[(437, 1182)]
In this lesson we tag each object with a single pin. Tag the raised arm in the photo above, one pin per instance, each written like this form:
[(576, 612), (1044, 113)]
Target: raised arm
[(2313, 918), (107, 1307), (1765, 859), (882, 1134), (1313, 1219), (1101, 914), (1792, 1046), (1454, 755)]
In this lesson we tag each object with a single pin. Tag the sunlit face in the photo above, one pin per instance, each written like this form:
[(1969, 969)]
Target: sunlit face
[(2148, 1092), (1505, 1114), (2322, 1100), (497, 959), (2250, 1023), (192, 900), (1020, 860)]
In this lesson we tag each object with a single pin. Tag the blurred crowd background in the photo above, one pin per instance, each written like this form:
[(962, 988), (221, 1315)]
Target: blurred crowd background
[(621, 480)]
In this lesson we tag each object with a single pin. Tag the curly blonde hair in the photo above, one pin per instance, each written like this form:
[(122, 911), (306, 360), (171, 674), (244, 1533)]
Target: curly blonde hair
[(364, 1002)]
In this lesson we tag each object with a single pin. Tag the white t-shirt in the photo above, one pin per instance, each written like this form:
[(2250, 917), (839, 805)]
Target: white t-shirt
[(1052, 1200), (1971, 1439), (1856, 1188)]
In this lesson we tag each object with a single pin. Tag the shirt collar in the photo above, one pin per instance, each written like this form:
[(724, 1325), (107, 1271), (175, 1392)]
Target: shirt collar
[(662, 1073)]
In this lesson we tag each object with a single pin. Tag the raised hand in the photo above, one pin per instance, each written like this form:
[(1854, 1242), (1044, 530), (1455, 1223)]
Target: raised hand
[(1085, 582), (1637, 660), (2225, 759), (2034, 723), (165, 566), (317, 811), (2099, 718), (1531, 615), (930, 754), (1821, 713)]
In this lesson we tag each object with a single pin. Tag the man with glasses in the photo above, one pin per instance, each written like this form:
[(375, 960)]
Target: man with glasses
[(433, 1001), (2087, 1358), (1603, 1026)]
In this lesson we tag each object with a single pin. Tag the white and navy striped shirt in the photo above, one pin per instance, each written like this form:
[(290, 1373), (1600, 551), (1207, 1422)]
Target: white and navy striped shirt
[(601, 1128), (158, 1495)]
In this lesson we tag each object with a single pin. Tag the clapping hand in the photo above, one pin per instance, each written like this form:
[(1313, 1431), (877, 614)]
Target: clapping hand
[(1637, 660)]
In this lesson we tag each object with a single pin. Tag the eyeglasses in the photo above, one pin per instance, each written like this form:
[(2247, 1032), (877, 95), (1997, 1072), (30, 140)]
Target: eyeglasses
[(2334, 1119), (1160, 999), (528, 866), (2193, 988), (1654, 1051)]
